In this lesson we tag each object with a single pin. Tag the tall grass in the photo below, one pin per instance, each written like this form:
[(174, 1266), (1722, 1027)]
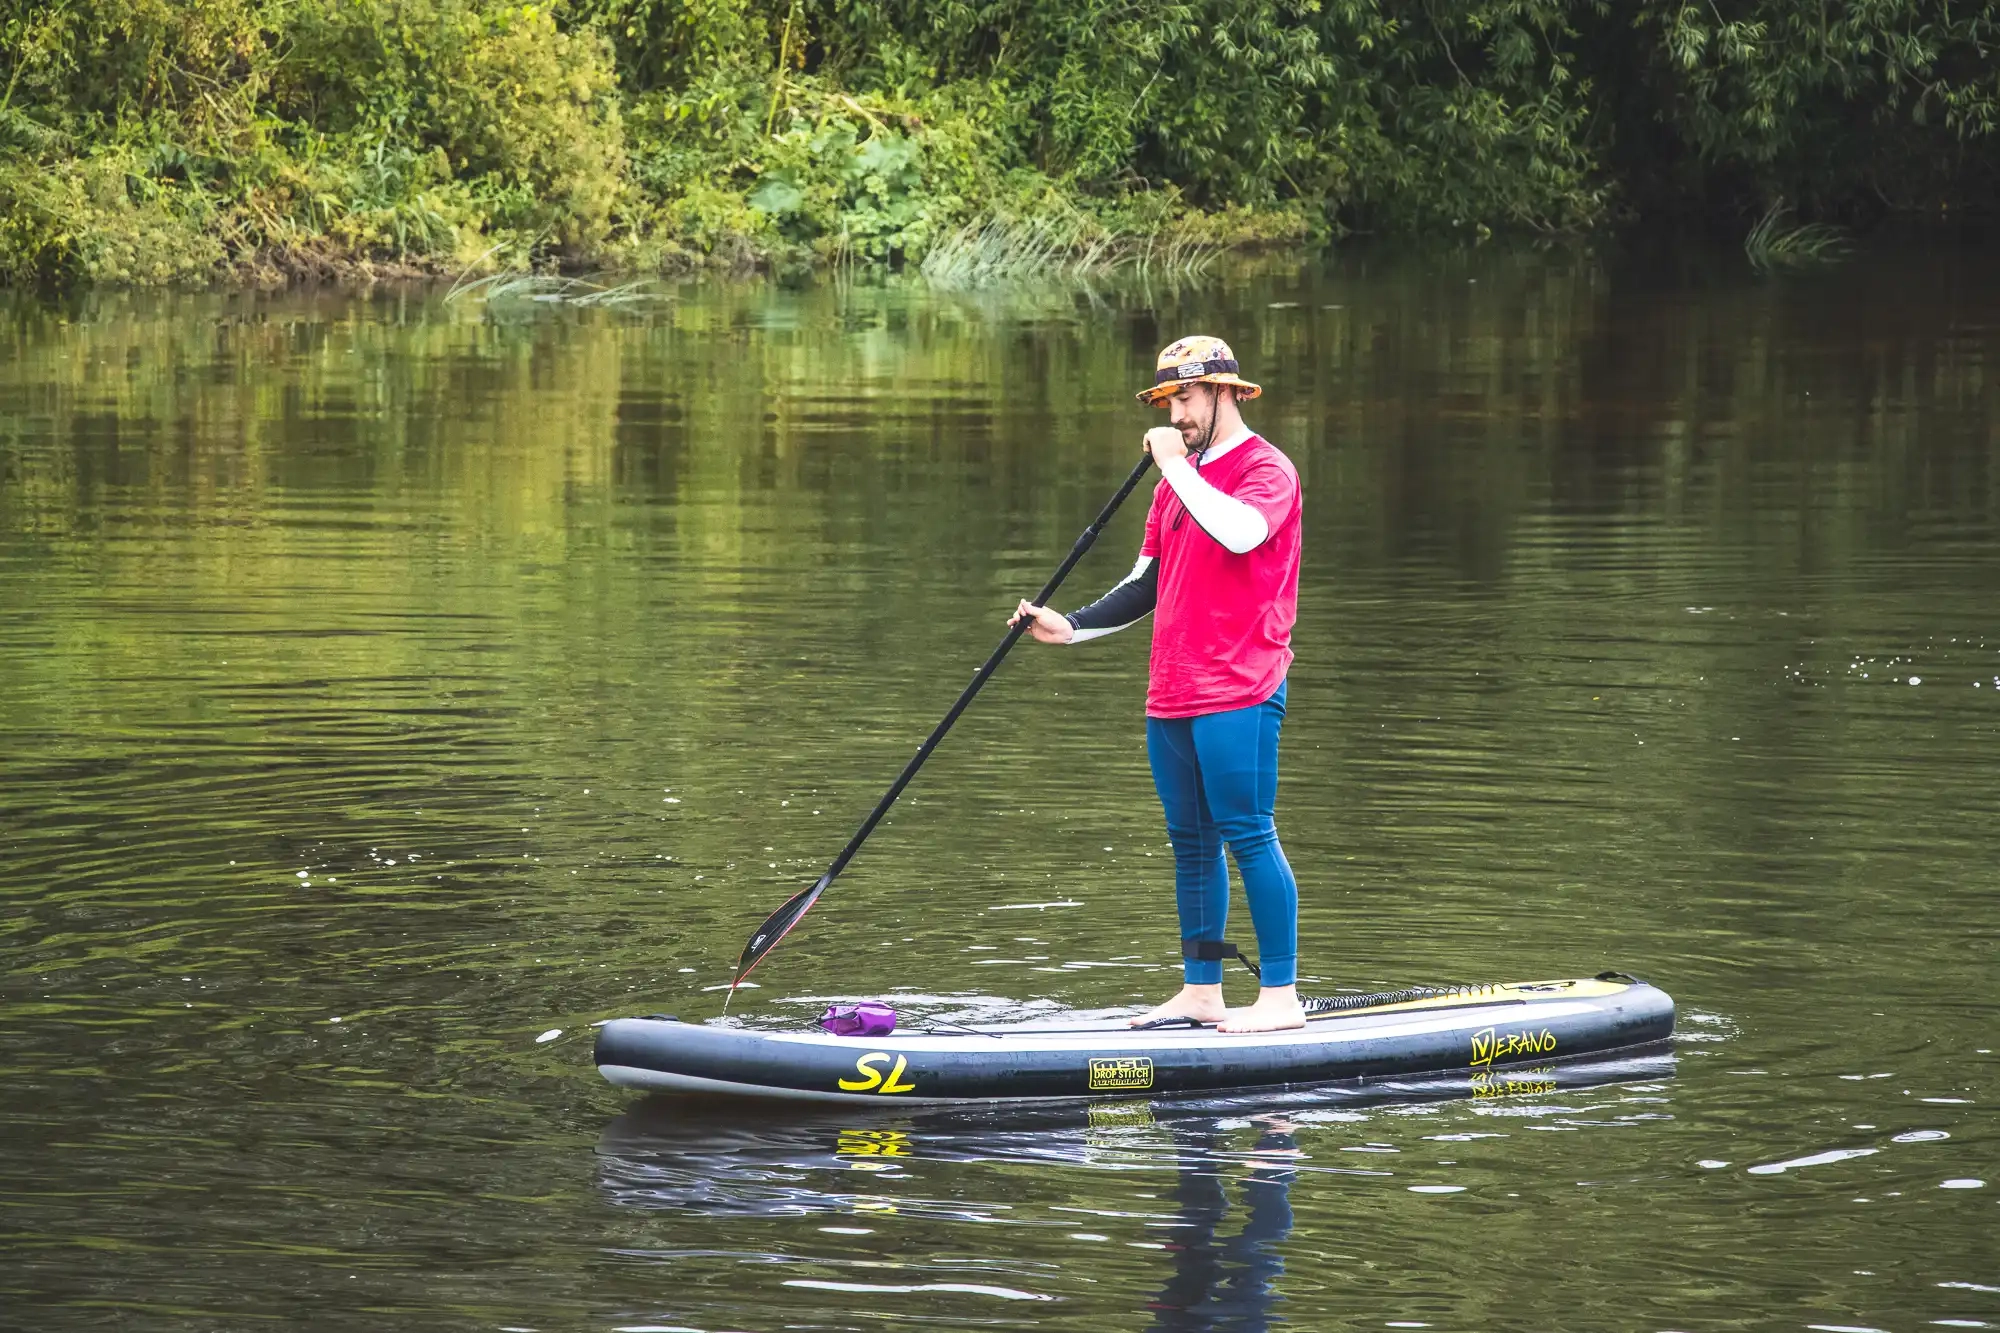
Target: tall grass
[(1772, 245), (514, 287), (1059, 248)]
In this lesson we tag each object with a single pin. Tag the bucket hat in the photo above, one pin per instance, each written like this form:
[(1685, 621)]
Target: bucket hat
[(1195, 359)]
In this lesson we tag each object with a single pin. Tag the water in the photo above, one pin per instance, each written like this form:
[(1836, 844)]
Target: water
[(385, 685)]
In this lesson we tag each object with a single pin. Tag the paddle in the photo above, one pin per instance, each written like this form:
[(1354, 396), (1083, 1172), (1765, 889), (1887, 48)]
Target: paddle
[(779, 924)]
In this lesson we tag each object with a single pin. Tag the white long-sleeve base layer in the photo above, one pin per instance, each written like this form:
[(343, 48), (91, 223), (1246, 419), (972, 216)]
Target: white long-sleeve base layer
[(1238, 526)]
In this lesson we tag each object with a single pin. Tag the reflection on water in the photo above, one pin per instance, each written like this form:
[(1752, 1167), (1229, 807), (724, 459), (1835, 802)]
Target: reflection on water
[(384, 687), (1228, 1282), (1204, 1184)]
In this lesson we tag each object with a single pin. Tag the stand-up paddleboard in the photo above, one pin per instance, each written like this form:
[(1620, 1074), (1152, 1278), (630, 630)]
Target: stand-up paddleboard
[(1395, 1033)]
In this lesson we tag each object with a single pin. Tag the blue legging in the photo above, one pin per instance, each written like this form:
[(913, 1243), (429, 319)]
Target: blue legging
[(1217, 776)]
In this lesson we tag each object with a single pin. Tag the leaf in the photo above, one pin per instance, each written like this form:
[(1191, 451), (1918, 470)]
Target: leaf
[(884, 155), (778, 195)]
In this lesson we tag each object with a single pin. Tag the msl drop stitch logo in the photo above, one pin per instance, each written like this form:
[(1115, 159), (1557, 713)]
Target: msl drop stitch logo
[(1122, 1073)]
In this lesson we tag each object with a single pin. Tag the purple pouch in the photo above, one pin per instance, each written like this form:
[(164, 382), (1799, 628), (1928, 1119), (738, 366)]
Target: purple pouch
[(870, 1018)]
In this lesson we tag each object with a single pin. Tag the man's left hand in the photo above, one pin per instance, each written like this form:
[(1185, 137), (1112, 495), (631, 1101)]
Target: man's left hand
[(1164, 443)]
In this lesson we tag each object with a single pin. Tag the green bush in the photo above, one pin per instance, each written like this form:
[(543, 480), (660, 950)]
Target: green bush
[(1844, 106), (517, 115), (155, 142), (164, 140)]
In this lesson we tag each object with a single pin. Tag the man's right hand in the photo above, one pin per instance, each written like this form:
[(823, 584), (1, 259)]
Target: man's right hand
[(1047, 626)]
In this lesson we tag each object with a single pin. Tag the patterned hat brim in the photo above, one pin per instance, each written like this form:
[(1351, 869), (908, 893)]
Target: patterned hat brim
[(1159, 393)]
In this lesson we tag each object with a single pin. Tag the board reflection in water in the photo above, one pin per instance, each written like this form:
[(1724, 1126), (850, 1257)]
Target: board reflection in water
[(1222, 1226)]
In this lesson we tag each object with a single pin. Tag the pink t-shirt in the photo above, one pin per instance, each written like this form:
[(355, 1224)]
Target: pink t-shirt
[(1222, 628)]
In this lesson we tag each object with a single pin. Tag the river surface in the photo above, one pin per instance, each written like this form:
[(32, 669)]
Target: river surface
[(392, 688)]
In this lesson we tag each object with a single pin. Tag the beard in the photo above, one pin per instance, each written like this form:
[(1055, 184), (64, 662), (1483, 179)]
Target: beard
[(1200, 437)]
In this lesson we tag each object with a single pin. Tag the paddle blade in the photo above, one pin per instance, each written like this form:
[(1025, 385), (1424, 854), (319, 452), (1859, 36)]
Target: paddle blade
[(776, 926)]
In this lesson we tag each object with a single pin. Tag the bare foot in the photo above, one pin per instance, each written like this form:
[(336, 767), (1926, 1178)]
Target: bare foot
[(1201, 1003), (1277, 1008)]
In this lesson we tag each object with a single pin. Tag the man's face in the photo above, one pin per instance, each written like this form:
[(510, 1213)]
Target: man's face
[(1192, 412)]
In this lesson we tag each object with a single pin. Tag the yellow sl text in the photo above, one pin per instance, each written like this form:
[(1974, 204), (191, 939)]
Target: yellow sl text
[(871, 1078)]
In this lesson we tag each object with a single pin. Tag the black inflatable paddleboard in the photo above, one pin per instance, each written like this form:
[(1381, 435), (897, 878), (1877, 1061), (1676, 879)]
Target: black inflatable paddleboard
[(1397, 1033)]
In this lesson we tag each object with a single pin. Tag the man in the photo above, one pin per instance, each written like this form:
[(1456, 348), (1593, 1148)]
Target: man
[(1219, 570)]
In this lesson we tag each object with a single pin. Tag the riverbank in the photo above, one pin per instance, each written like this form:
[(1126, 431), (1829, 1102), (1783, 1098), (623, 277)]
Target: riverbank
[(151, 143)]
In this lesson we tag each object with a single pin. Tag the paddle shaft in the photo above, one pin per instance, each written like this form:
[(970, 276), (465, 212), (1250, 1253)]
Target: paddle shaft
[(979, 679), (753, 954)]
